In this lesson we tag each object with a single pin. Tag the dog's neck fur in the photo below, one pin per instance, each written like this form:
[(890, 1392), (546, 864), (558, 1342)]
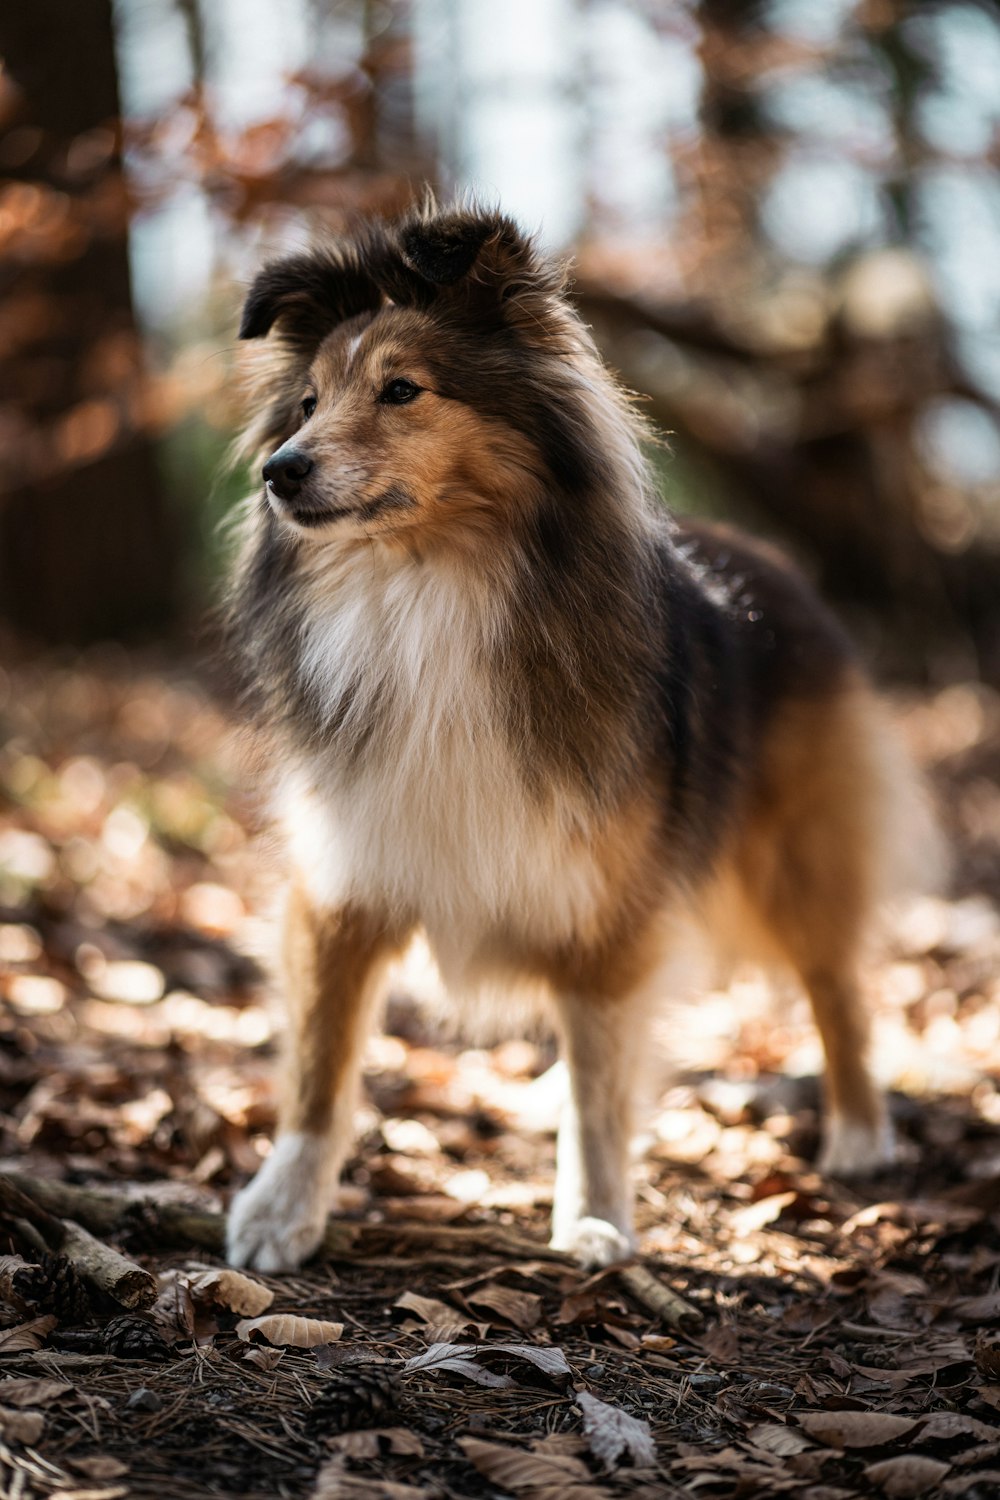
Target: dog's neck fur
[(380, 650)]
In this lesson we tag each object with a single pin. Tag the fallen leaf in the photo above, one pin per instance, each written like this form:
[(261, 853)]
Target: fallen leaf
[(21, 1426), (289, 1329), (31, 1391), (614, 1436), (333, 1482), (101, 1466), (722, 1342), (446, 1321), (263, 1358), (908, 1475), (982, 1309), (523, 1309), (26, 1335), (229, 1289), (515, 1469), (372, 1442), (173, 1311), (961, 1483), (776, 1438), (748, 1221), (445, 1357), (855, 1429), (461, 1359), (941, 1425)]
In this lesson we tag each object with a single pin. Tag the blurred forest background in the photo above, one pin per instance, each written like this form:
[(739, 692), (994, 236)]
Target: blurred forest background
[(785, 218)]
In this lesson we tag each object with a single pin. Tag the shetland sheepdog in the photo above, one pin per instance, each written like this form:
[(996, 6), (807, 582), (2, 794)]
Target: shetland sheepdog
[(509, 701)]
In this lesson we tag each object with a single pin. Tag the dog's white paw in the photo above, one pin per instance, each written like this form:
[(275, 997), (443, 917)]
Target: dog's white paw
[(852, 1148), (278, 1220), (594, 1243)]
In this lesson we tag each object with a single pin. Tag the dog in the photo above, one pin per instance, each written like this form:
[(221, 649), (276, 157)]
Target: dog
[(507, 700)]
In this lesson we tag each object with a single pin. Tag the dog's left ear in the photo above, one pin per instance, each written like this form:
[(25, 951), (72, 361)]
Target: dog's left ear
[(483, 262), (308, 295)]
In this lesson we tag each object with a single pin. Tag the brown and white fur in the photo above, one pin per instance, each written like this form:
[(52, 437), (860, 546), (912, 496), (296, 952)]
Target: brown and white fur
[(508, 701)]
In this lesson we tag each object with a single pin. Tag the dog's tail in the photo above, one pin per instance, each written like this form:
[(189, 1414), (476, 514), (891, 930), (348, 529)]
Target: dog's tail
[(912, 852)]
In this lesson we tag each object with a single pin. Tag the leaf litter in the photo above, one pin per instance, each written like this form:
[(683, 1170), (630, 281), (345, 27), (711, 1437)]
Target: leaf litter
[(779, 1335)]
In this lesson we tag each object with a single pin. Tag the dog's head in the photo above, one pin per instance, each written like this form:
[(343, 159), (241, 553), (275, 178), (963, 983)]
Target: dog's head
[(426, 379)]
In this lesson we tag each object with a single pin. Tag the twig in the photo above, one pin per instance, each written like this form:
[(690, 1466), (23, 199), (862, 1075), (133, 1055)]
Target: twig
[(658, 1298), (171, 1223), (105, 1268), (128, 1284)]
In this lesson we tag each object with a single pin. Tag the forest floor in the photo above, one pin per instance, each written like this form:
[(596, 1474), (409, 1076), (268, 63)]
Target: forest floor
[(780, 1334)]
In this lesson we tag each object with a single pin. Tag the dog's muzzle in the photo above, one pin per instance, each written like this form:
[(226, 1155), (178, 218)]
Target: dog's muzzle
[(285, 471)]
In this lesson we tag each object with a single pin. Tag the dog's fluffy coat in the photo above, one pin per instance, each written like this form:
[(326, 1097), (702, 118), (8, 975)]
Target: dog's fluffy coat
[(507, 700)]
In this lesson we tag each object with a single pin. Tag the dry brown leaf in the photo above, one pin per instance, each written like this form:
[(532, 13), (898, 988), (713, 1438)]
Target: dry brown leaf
[(372, 1442), (265, 1358), (537, 1472), (613, 1436), (333, 1482), (961, 1483), (722, 1342), (25, 1391), (982, 1309), (21, 1426), (446, 1321), (101, 1466), (173, 1311), (461, 1359), (952, 1424), (26, 1335), (523, 1309), (908, 1475), (776, 1438), (855, 1429), (15, 1271), (288, 1329), (456, 1359), (229, 1289), (748, 1221)]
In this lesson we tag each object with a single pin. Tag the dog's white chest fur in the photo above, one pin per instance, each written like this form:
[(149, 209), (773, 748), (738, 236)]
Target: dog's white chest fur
[(434, 818)]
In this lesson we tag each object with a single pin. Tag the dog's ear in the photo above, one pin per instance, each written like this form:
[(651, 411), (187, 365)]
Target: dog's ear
[(307, 295), (484, 265)]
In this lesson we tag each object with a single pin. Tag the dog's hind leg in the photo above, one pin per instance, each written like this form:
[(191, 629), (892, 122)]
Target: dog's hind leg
[(811, 871), (332, 963), (604, 1041), (857, 1135)]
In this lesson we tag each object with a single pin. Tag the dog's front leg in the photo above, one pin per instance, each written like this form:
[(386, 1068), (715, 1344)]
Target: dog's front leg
[(604, 1043), (332, 962)]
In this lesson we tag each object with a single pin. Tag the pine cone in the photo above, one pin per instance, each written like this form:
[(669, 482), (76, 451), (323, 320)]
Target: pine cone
[(356, 1396), (139, 1229), (22, 1283), (129, 1337), (65, 1292)]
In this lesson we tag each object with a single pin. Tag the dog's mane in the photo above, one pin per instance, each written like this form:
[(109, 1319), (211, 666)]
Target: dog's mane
[(583, 616)]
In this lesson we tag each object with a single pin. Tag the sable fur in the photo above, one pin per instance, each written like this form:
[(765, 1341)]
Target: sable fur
[(511, 702)]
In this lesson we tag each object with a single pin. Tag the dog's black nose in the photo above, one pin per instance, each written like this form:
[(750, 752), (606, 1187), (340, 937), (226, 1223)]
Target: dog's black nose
[(285, 471)]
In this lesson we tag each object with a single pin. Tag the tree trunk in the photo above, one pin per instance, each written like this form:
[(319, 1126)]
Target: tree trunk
[(86, 546)]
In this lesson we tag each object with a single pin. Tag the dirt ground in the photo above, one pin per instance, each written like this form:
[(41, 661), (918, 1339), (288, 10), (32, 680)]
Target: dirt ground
[(780, 1334)]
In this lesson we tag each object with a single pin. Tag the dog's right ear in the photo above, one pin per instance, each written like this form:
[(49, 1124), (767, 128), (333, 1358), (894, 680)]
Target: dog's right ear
[(308, 295)]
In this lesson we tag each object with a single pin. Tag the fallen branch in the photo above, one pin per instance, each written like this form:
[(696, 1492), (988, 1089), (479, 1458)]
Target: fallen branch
[(658, 1298), (106, 1213), (104, 1268)]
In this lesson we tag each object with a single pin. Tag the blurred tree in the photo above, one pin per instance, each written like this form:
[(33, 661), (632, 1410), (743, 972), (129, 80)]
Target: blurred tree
[(86, 547)]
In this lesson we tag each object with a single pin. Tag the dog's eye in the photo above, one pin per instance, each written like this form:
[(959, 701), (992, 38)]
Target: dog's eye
[(398, 392), (308, 406)]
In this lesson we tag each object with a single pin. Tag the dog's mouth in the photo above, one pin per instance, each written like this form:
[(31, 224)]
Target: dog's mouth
[(395, 498), (303, 514)]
